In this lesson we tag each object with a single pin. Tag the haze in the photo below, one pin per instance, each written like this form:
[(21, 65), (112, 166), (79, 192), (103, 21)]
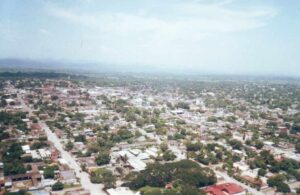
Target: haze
[(230, 37)]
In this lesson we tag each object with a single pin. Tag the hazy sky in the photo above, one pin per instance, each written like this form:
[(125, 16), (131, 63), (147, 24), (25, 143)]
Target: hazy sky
[(229, 36)]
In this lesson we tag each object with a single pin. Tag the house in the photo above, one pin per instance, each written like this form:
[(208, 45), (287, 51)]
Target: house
[(252, 180), (169, 186), (59, 133), (177, 112), (120, 190), (225, 189), (80, 191), (88, 132), (35, 126), (35, 178), (137, 164), (241, 166), (238, 153), (88, 161), (43, 116), (134, 162), (39, 192), (68, 177)]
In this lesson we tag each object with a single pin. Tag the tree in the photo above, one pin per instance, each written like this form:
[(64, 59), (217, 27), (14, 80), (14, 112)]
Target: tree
[(193, 146), (248, 142), (169, 155), (283, 187), (21, 192), (295, 128), (13, 153), (109, 180), (236, 158), (219, 155), (80, 138), (54, 97), (69, 146), (183, 105), (276, 181), (289, 164), (58, 186), (262, 172), (236, 144), (125, 134), (158, 175), (259, 144), (164, 147), (103, 158), (14, 168), (49, 172), (297, 147), (104, 176)]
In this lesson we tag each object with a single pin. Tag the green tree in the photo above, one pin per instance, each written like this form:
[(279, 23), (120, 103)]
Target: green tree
[(58, 186), (158, 175), (21, 192), (236, 144), (49, 172), (259, 144), (104, 176), (69, 146), (14, 168), (275, 180), (193, 146), (103, 158), (169, 155), (262, 172), (164, 147), (297, 147), (283, 187)]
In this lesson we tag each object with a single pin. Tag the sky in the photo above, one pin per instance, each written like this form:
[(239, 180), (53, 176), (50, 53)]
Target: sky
[(203, 36)]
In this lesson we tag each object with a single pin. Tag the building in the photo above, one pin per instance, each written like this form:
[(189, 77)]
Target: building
[(225, 189), (80, 191), (120, 190), (68, 177)]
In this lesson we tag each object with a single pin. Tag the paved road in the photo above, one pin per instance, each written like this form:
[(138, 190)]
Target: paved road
[(95, 189)]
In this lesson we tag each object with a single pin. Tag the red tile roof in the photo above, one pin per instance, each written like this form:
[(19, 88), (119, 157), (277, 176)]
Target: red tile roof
[(222, 189)]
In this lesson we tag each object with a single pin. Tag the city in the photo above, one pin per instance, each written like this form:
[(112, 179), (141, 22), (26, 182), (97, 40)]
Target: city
[(82, 136), (149, 97)]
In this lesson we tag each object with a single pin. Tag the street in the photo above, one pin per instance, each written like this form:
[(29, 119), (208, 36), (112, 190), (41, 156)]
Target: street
[(95, 189)]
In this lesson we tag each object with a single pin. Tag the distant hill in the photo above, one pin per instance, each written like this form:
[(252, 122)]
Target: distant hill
[(27, 63), (34, 75), (96, 68), (16, 64)]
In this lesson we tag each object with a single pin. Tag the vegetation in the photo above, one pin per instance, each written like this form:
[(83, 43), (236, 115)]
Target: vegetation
[(103, 157), (169, 155), (58, 186), (187, 172), (278, 182), (21, 192), (236, 144), (12, 160), (14, 119), (104, 176), (49, 172)]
